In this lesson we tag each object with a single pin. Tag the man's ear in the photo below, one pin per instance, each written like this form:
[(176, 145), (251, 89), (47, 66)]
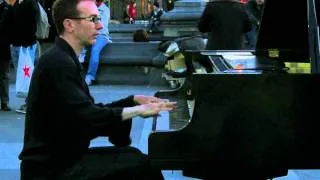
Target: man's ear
[(68, 25)]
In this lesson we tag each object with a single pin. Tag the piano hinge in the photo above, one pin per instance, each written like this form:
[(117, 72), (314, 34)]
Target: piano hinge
[(273, 53)]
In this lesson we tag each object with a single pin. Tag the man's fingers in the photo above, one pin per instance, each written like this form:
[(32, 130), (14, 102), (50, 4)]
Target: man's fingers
[(165, 100), (168, 105), (156, 100)]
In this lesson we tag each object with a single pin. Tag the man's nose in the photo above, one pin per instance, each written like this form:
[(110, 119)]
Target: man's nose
[(99, 25)]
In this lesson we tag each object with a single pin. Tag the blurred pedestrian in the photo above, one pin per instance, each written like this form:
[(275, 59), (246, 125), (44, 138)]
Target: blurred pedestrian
[(255, 8), (226, 23), (24, 30), (132, 11), (156, 13), (6, 18)]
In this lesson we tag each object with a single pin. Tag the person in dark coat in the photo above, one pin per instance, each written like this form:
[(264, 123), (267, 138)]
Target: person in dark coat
[(155, 16), (62, 116), (255, 8), (5, 57), (226, 22), (47, 5), (25, 23), (24, 33)]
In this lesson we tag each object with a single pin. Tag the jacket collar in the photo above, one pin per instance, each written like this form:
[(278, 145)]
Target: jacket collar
[(65, 46)]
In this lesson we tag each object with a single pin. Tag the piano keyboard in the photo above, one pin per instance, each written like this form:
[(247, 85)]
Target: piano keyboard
[(191, 106), (181, 116)]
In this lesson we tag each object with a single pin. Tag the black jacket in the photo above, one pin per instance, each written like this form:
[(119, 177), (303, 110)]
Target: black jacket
[(5, 30), (255, 11), (155, 16), (25, 23), (226, 22), (47, 5), (62, 116)]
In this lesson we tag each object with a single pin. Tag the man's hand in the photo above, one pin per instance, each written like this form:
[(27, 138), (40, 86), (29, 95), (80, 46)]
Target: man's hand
[(147, 109), (141, 99), (153, 109)]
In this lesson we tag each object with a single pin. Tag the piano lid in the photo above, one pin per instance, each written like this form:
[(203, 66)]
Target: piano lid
[(283, 33), (317, 8)]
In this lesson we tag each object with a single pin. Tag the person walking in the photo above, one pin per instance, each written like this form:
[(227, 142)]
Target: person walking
[(132, 11), (155, 16), (24, 33), (226, 22), (255, 8), (6, 14)]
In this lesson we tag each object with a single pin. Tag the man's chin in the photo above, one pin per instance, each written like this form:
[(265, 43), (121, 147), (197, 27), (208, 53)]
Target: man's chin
[(90, 43)]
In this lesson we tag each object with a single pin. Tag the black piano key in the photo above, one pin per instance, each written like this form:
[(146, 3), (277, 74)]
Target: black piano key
[(180, 116)]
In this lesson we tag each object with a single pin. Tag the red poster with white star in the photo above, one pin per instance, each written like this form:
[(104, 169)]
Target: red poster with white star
[(24, 72)]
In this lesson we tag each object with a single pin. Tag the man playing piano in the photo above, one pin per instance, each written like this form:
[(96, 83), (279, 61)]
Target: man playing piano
[(62, 117)]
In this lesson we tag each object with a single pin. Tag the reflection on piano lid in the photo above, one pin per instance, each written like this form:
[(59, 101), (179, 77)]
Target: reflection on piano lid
[(248, 124), (242, 62), (314, 36), (236, 53), (283, 35)]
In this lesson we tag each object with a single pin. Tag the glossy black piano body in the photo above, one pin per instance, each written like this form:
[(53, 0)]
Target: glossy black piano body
[(251, 119), (245, 123)]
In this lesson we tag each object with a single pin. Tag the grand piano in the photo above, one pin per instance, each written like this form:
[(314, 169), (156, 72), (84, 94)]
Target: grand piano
[(249, 118)]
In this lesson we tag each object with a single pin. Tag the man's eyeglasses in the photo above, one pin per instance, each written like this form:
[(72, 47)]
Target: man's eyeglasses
[(93, 19)]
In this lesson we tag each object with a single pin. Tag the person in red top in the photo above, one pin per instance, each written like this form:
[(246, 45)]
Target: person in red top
[(132, 11)]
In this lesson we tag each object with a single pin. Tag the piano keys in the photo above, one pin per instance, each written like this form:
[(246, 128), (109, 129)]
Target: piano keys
[(179, 117)]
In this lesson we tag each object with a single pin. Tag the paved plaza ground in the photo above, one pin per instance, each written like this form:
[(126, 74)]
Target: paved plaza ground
[(12, 127)]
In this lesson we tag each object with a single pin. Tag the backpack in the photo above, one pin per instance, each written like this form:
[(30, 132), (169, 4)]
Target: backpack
[(43, 26)]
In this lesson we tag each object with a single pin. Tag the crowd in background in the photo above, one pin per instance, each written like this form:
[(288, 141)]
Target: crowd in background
[(19, 23)]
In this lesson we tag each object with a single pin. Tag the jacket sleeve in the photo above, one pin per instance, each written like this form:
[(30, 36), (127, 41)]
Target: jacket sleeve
[(2, 16), (5, 17), (159, 14), (125, 102), (204, 23), (25, 15), (247, 26), (250, 6), (75, 102)]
